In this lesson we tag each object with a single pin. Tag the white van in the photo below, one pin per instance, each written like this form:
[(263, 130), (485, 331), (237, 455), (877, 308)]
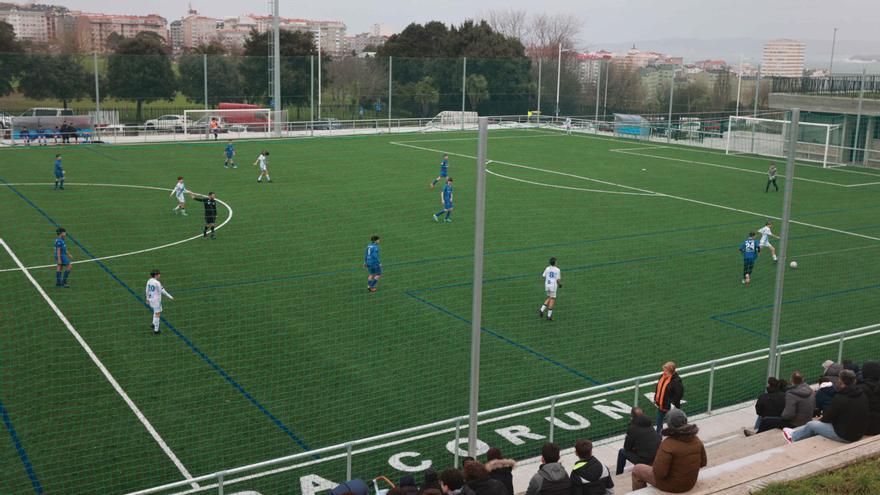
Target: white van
[(47, 112)]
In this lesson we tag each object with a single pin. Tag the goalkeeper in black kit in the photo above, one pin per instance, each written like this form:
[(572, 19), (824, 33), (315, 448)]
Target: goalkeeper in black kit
[(210, 203)]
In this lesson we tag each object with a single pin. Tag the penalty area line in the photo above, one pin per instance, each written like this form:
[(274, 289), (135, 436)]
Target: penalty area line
[(118, 388)]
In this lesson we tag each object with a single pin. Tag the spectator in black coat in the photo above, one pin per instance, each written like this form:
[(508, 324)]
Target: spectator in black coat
[(432, 481), (588, 475), (824, 393), (799, 405), (845, 420), (641, 442), (452, 483), (477, 479), (871, 388), (770, 404), (408, 485), (668, 393), (500, 468)]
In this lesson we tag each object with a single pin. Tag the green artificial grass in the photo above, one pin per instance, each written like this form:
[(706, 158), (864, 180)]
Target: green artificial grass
[(272, 345)]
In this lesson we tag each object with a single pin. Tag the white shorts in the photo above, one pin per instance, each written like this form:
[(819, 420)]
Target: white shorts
[(157, 308), (262, 168), (181, 198), (551, 293), (765, 244)]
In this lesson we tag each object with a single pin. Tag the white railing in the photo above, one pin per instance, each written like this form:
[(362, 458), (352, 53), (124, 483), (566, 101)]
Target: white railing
[(636, 385)]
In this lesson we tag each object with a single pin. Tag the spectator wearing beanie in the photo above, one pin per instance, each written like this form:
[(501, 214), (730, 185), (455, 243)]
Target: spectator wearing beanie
[(678, 461), (641, 441), (589, 476), (668, 393), (770, 404), (551, 478), (871, 388), (477, 479), (845, 420), (500, 469), (831, 369)]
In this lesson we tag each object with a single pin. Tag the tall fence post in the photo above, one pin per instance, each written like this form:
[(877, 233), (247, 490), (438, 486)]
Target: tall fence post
[(711, 387), (312, 95), (97, 89), (840, 349), (636, 387), (463, 88), (540, 69), (598, 81), (276, 61), (552, 418), (477, 309), (390, 70), (755, 111), (854, 156), (671, 95), (220, 478), (457, 442), (783, 241), (205, 74), (348, 461)]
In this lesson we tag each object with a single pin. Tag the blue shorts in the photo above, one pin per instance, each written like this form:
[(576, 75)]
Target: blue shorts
[(447, 206), (229, 156), (374, 269), (443, 173), (59, 175), (64, 261)]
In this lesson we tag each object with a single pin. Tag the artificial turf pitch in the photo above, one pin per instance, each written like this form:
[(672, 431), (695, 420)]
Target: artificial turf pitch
[(272, 345)]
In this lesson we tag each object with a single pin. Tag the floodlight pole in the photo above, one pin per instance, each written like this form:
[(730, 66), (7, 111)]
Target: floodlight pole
[(605, 103), (205, 73), (463, 88), (540, 68), (833, 43), (97, 88), (598, 81), (773, 363), (739, 84), (755, 112), (312, 94), (671, 95), (319, 72), (390, 62), (476, 310), (276, 61), (558, 76), (859, 117)]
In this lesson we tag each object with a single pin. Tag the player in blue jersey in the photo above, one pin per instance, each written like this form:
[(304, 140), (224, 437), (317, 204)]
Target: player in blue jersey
[(446, 201), (372, 263), (59, 173), (62, 258), (444, 171), (749, 249), (230, 153)]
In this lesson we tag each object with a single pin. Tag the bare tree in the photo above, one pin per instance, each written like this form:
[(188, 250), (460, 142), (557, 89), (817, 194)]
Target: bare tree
[(549, 31), (513, 23)]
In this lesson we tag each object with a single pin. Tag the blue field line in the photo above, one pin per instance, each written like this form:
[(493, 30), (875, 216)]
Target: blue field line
[(506, 340), (296, 438), (20, 449), (722, 317)]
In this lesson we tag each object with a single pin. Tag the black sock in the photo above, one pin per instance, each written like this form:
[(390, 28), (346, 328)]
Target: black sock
[(205, 232)]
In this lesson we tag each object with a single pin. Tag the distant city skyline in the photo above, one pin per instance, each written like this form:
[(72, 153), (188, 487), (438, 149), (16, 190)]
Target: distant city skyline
[(602, 21)]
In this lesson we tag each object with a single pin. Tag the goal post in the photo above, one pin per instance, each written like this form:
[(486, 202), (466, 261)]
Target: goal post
[(228, 121), (816, 142)]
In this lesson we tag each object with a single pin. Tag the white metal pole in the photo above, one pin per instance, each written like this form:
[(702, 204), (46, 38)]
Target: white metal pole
[(540, 64), (605, 103), (859, 118), (558, 76), (757, 91), (312, 92), (739, 83), (477, 308), (671, 95), (276, 74), (463, 88), (319, 72), (827, 143), (833, 44), (97, 89), (205, 73), (598, 80), (783, 241), (729, 132), (390, 61)]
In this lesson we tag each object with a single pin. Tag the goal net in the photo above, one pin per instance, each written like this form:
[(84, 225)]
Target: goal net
[(768, 137), (230, 122)]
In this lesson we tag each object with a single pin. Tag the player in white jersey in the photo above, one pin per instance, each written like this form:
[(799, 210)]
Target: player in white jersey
[(766, 233), (568, 125), (179, 191), (155, 291), (263, 161), (552, 282)]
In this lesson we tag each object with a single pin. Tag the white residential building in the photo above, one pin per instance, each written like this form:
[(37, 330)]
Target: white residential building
[(783, 58), (28, 23)]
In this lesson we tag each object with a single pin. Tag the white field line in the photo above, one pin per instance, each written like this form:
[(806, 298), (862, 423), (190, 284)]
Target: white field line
[(137, 412), (658, 147), (835, 251), (598, 191), (130, 253), (532, 136), (863, 184), (680, 198), (718, 165)]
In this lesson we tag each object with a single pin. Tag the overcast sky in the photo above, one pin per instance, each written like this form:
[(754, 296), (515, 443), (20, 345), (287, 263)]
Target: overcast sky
[(603, 21)]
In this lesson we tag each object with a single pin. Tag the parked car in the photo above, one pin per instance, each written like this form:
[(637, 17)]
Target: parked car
[(5, 120), (47, 112), (166, 123), (327, 124)]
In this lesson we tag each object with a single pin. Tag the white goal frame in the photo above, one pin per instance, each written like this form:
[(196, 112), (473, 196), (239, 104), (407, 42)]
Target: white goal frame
[(194, 127), (801, 147)]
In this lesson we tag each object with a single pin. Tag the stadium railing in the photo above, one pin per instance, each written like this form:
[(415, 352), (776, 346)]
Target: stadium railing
[(832, 344)]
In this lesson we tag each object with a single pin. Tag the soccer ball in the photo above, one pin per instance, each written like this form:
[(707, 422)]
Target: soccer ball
[(793, 264)]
